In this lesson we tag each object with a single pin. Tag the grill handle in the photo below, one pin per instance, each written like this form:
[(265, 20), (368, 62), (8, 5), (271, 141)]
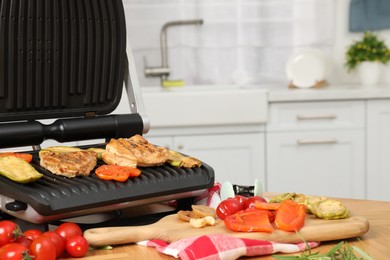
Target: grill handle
[(67, 130)]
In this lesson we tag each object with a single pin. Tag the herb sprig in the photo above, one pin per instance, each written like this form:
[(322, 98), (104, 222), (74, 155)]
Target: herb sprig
[(342, 251)]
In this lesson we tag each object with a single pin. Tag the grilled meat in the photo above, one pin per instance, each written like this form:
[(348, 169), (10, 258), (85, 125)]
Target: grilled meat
[(134, 151), (68, 163)]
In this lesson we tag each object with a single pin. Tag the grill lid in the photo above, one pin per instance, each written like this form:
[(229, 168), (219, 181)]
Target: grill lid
[(60, 58)]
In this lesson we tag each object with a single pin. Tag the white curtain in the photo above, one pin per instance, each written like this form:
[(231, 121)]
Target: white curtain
[(240, 42)]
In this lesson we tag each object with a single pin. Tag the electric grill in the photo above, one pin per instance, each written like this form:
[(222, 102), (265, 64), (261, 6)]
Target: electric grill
[(69, 61)]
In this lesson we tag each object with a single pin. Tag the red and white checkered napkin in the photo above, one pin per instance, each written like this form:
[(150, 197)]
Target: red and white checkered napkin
[(219, 246)]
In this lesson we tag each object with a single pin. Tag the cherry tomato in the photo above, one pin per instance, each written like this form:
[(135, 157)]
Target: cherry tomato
[(228, 207), (57, 241), (13, 251), (77, 246), (68, 230), (23, 241), (8, 232), (43, 248), (32, 233), (241, 199), (250, 202)]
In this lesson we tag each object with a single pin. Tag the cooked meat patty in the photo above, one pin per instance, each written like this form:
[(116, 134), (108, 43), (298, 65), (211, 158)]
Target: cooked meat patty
[(69, 164), (134, 151)]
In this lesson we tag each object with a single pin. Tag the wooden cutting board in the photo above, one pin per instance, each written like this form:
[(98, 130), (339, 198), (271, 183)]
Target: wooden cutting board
[(170, 229)]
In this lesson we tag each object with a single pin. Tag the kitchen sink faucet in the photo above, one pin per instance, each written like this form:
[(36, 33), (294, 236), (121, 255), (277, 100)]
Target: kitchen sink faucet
[(163, 71)]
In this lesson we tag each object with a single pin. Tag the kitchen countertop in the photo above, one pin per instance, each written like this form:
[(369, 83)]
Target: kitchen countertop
[(279, 93), (375, 242)]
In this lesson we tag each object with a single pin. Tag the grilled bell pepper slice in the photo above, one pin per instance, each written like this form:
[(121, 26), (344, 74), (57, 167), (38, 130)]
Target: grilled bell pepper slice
[(249, 221), (25, 156), (290, 216), (267, 205), (116, 172)]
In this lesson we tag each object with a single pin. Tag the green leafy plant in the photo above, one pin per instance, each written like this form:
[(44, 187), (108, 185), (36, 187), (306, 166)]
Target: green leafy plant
[(369, 48)]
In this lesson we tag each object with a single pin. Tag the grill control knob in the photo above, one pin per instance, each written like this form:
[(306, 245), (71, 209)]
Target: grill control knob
[(16, 206)]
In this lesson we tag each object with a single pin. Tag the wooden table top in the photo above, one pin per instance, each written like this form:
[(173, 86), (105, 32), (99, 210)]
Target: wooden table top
[(376, 242)]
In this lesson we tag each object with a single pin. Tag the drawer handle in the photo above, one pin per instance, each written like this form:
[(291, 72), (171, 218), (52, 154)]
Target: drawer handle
[(316, 117), (317, 141)]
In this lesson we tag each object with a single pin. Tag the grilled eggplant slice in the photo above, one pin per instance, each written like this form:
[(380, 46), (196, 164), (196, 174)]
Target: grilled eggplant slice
[(18, 170), (179, 160)]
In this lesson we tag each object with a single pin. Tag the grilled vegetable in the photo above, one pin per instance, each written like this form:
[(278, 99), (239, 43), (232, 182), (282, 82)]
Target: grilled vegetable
[(329, 209), (98, 152), (60, 149), (178, 160), (249, 221), (116, 172), (321, 207), (18, 170), (290, 216), (25, 156)]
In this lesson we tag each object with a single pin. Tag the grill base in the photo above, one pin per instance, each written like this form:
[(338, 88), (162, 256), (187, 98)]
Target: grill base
[(31, 215), (54, 197)]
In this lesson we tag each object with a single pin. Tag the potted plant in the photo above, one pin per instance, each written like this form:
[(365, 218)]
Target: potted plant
[(366, 56)]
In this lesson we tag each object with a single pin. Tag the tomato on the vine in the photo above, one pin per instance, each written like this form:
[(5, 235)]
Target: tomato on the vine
[(32, 233), (23, 241), (77, 246), (42, 248), (68, 230), (57, 240), (13, 251), (228, 207), (8, 231)]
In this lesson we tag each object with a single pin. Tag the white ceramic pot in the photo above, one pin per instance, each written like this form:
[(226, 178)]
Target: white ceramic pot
[(369, 72)]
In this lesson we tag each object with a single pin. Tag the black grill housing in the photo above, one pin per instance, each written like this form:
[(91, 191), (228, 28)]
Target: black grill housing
[(67, 60)]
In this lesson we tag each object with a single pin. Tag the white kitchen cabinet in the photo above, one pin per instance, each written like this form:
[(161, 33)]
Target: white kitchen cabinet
[(316, 148), (238, 158), (328, 163), (378, 149)]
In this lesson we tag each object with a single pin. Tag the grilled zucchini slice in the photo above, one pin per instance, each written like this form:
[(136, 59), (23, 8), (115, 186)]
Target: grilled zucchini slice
[(98, 152), (18, 170), (61, 149)]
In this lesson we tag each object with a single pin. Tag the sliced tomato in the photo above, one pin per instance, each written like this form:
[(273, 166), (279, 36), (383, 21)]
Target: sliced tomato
[(116, 172), (267, 205), (290, 216), (25, 156), (249, 221)]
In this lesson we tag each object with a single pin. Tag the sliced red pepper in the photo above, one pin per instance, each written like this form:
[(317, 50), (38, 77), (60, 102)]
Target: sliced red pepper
[(267, 205), (25, 156), (249, 221), (290, 216), (116, 172), (270, 213)]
